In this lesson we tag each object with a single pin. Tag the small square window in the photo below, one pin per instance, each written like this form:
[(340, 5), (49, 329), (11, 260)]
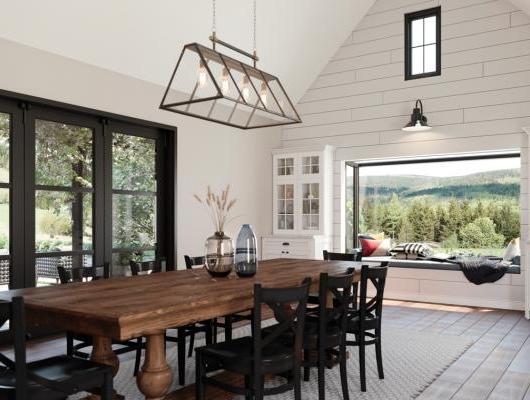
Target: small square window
[(423, 44)]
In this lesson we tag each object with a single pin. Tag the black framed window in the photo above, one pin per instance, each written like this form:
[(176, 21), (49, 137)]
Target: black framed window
[(466, 205), (78, 187), (423, 44), (61, 146)]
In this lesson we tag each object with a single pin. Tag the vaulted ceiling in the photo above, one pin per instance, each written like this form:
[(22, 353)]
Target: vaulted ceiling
[(142, 38)]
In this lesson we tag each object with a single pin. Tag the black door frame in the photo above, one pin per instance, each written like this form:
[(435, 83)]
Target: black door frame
[(24, 110)]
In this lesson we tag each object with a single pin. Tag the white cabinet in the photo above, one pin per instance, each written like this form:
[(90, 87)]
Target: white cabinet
[(291, 246), (302, 203), (302, 192)]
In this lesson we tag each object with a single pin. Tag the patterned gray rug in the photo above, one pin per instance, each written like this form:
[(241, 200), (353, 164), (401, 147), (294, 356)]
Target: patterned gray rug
[(411, 361)]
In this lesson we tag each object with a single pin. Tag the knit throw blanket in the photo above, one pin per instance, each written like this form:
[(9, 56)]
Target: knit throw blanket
[(479, 270)]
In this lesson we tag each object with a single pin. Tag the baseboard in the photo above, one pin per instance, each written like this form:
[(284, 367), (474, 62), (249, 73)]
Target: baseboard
[(457, 301)]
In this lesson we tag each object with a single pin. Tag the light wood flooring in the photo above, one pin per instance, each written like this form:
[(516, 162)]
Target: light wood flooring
[(496, 366)]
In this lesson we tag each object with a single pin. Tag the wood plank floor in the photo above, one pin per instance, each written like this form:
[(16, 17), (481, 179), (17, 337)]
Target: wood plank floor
[(496, 366)]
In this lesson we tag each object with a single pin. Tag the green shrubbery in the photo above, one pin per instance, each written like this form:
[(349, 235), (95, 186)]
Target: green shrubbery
[(55, 225), (455, 223)]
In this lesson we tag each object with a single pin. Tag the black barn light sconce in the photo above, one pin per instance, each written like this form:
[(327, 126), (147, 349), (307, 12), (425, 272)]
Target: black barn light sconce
[(209, 85), (418, 121)]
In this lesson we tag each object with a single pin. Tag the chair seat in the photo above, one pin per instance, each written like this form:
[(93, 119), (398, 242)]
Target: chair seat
[(34, 390), (370, 323), (236, 356), (333, 334), (63, 369)]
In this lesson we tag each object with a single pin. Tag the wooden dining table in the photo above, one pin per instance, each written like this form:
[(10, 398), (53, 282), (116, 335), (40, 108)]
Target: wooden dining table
[(123, 308)]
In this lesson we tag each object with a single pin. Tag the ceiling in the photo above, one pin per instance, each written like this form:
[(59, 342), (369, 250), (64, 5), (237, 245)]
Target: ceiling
[(142, 38), (523, 5)]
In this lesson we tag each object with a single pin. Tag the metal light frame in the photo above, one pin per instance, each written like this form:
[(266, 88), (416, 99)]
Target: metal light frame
[(205, 54)]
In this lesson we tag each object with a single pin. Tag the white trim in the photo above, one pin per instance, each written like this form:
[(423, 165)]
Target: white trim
[(525, 267), (455, 300)]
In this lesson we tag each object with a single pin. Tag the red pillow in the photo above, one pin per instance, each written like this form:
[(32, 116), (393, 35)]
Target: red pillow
[(373, 247)]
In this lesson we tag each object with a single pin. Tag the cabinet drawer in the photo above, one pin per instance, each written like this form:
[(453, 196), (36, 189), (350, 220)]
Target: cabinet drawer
[(286, 244), (271, 255)]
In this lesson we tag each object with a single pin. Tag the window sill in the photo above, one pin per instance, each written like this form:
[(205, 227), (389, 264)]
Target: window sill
[(426, 264)]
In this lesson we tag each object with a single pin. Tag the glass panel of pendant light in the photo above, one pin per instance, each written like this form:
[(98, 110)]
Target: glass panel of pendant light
[(226, 90), (193, 90)]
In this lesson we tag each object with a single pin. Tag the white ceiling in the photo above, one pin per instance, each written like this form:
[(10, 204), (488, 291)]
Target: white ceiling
[(522, 5), (142, 38)]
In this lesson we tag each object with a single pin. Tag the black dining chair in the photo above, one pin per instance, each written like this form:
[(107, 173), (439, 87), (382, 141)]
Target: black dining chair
[(50, 378), (353, 257), (228, 320), (325, 329), (76, 342), (183, 332), (260, 354), (366, 320)]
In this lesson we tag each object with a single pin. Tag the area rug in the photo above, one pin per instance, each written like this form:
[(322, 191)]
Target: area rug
[(411, 361)]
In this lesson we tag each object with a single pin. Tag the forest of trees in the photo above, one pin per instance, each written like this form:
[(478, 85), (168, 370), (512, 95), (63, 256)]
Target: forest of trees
[(454, 223), (478, 211)]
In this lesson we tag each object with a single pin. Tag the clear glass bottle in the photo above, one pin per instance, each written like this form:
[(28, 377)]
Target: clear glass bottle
[(219, 255), (246, 258)]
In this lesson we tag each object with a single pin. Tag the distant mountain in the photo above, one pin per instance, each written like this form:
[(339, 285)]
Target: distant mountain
[(502, 183)]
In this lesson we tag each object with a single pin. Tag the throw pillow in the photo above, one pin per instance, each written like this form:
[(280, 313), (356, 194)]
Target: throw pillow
[(512, 250), (375, 248)]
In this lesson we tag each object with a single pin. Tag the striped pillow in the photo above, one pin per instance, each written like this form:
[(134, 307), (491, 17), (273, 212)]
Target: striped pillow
[(415, 249)]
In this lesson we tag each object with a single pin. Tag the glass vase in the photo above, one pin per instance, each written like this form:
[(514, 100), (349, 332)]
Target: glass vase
[(246, 259), (219, 255)]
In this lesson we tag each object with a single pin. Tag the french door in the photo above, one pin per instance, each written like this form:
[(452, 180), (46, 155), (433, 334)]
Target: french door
[(78, 190)]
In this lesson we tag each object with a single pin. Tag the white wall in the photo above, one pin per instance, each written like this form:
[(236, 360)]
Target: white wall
[(207, 153), (481, 101)]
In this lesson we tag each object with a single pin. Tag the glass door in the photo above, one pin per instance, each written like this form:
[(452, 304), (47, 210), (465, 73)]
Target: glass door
[(135, 196), (11, 268), (63, 193)]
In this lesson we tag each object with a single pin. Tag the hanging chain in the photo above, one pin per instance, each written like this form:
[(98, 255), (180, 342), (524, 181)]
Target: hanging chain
[(254, 26), (213, 17)]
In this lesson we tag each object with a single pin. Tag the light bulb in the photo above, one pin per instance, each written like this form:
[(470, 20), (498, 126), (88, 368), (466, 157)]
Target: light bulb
[(245, 90), (263, 93), (225, 82), (202, 75)]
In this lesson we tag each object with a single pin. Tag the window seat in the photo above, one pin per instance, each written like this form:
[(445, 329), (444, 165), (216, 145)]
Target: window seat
[(426, 264)]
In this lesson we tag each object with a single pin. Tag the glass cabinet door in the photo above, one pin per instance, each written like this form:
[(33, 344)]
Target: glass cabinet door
[(285, 214), (285, 166), (310, 206), (310, 165)]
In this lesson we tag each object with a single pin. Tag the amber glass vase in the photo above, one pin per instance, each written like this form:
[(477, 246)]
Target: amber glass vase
[(219, 254)]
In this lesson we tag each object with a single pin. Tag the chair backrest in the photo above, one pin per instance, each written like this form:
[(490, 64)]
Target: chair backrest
[(281, 301), (338, 289), (193, 261), (80, 274), (14, 312), (145, 267), (329, 256), (374, 305)]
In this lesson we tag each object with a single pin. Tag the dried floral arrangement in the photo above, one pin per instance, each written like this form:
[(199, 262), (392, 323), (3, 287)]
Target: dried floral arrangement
[(218, 207)]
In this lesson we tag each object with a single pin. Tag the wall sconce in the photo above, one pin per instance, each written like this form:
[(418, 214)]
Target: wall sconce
[(418, 121)]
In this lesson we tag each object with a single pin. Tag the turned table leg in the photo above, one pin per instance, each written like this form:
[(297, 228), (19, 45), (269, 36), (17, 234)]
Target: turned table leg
[(154, 380), (103, 354)]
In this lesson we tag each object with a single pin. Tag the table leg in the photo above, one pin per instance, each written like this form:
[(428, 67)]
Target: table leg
[(103, 354), (154, 380)]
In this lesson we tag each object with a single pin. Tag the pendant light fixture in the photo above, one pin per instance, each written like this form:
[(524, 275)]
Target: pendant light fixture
[(418, 121), (209, 85)]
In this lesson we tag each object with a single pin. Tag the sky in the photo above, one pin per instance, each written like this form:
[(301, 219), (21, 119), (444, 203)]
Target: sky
[(444, 168)]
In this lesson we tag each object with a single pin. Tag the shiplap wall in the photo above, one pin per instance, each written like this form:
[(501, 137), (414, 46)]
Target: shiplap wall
[(480, 102)]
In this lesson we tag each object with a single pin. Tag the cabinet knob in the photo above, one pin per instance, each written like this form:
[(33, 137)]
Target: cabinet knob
[(285, 244)]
